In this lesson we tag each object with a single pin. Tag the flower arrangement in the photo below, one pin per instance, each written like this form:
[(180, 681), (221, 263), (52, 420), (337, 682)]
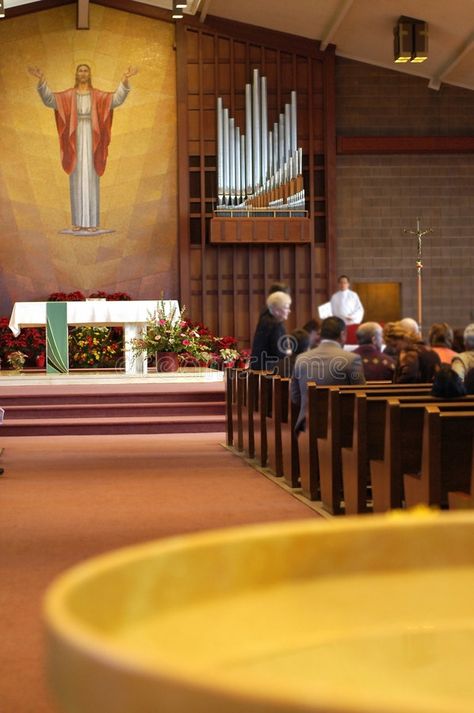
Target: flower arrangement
[(31, 341), (223, 350), (90, 347), (93, 347), (78, 296), (16, 360), (171, 333)]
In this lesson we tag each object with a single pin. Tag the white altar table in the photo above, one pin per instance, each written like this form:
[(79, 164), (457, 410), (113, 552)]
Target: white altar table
[(131, 315)]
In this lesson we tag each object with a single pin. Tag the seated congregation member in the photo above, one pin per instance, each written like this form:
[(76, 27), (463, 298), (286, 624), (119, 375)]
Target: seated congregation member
[(411, 325), (345, 303), (458, 340), (464, 361), (441, 341), (390, 343), (268, 345), (447, 384), (297, 342), (327, 363), (469, 381), (313, 327), (377, 365), (416, 363)]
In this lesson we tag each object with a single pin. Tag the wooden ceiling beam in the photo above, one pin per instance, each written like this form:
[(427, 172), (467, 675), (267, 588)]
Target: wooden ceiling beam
[(444, 70), (204, 10), (335, 23), (82, 18)]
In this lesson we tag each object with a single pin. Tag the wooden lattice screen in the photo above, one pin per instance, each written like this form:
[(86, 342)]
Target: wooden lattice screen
[(225, 285)]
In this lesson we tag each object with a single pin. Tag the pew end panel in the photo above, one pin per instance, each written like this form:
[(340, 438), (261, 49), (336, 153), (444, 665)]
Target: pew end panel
[(229, 400), (308, 444), (458, 500), (265, 411), (289, 438), (446, 457), (329, 450), (250, 413), (279, 391)]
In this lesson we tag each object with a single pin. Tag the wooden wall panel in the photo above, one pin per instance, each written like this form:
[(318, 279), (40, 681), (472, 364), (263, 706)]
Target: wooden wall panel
[(228, 283)]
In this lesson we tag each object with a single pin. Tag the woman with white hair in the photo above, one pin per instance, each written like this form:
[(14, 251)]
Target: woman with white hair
[(268, 345), (465, 361)]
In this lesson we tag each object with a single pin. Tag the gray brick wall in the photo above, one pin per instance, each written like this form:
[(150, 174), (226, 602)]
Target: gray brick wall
[(374, 101), (378, 196)]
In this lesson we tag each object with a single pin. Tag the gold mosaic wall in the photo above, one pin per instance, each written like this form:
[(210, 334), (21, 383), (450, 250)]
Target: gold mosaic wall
[(138, 188)]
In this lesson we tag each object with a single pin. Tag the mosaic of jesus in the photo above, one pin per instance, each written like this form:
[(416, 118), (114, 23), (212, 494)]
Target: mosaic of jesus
[(84, 121)]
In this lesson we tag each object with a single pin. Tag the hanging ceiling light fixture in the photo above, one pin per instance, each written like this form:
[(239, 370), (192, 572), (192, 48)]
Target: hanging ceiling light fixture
[(410, 40)]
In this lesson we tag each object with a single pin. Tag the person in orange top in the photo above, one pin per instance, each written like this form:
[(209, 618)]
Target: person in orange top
[(441, 341), (84, 121)]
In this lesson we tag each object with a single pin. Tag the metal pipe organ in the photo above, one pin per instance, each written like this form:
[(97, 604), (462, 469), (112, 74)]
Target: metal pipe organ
[(261, 171)]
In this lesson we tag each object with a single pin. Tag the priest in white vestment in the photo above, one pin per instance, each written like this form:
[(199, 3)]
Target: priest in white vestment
[(346, 304), (84, 120)]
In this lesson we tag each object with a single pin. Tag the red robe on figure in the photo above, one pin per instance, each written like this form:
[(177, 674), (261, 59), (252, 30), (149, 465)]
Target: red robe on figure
[(66, 122)]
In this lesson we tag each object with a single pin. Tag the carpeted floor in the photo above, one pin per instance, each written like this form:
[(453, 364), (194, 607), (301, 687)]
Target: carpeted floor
[(63, 499)]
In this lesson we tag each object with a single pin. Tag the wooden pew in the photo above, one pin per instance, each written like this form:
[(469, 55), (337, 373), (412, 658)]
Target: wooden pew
[(316, 428), (289, 444), (260, 421), (446, 457), (367, 440), (238, 400), (250, 413), (459, 500), (316, 423), (242, 378), (401, 447), (279, 415), (339, 434), (229, 396)]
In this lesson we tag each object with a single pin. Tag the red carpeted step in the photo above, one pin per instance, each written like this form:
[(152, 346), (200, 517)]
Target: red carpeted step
[(112, 426), (112, 393), (103, 409), (75, 409)]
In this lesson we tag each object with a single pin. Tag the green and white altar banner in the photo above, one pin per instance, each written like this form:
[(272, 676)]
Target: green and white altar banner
[(57, 347)]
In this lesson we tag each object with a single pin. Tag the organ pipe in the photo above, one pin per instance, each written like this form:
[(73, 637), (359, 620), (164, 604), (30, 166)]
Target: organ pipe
[(281, 145), (220, 152), (232, 160), (293, 130), (248, 140), (237, 165), (257, 168), (261, 168), (287, 132), (264, 130), (243, 167), (226, 157)]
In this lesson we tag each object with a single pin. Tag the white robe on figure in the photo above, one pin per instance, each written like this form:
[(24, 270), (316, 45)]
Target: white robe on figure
[(347, 305), (84, 181)]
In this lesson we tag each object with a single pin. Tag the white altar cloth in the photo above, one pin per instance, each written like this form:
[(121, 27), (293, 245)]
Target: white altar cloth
[(132, 315)]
